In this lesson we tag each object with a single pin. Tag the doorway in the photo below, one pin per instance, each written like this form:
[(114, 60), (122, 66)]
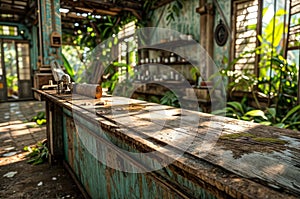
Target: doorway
[(15, 72)]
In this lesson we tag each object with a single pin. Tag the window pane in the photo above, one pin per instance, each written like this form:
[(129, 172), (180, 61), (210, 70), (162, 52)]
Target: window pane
[(8, 30), (23, 61), (1, 68), (246, 15)]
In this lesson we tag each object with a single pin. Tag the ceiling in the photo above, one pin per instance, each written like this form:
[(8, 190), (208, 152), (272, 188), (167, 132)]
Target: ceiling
[(25, 11)]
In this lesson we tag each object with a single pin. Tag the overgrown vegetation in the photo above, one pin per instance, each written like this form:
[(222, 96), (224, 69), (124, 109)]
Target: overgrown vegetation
[(40, 118), (280, 89), (277, 82), (92, 31), (170, 99), (267, 116), (277, 79), (38, 154)]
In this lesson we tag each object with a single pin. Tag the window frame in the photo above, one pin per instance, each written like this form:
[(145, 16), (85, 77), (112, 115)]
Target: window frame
[(234, 31)]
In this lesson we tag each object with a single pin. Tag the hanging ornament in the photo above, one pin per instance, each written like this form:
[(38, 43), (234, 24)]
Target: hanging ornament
[(221, 34)]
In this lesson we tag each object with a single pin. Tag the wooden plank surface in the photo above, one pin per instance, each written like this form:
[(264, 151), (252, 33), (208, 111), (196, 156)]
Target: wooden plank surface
[(264, 155)]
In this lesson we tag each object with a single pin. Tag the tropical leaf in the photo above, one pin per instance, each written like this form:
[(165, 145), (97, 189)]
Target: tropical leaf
[(245, 118), (237, 106), (291, 124), (291, 112), (279, 125), (281, 12), (267, 123), (219, 112), (272, 112), (257, 113), (68, 67)]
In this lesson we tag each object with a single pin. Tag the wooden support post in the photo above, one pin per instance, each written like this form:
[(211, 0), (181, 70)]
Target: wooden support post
[(202, 11), (206, 11), (210, 38), (54, 116)]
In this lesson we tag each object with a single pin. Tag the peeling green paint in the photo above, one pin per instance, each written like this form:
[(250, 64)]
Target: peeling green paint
[(101, 181), (51, 21)]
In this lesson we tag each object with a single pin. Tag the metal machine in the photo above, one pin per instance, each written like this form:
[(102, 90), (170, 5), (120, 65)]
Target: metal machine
[(62, 79)]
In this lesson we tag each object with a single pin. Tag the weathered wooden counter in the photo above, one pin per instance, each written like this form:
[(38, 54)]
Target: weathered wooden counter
[(246, 161)]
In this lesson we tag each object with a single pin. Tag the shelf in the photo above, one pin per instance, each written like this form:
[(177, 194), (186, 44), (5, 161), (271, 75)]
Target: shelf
[(170, 45), (159, 82), (169, 63)]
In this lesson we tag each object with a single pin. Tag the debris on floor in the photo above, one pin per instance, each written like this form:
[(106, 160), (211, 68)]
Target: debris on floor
[(10, 174)]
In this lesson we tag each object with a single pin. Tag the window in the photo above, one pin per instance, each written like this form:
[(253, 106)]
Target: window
[(278, 24), (23, 61), (127, 49), (8, 30), (246, 28)]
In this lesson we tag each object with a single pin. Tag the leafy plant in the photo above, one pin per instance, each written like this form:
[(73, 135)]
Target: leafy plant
[(40, 118), (12, 84), (112, 75), (194, 71), (277, 80), (170, 99), (68, 67), (240, 110), (92, 31), (290, 121), (244, 80), (38, 154), (154, 99)]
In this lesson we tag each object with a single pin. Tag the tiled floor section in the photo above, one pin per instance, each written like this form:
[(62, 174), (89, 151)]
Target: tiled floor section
[(29, 181), (16, 128)]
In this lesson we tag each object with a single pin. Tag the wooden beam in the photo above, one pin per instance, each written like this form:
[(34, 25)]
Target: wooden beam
[(105, 12)]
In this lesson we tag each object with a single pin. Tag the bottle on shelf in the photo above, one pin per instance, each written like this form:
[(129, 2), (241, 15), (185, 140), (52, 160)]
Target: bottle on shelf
[(158, 59), (147, 75), (166, 60), (172, 58), (171, 75)]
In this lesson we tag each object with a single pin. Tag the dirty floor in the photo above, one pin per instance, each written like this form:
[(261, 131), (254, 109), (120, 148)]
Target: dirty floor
[(18, 179)]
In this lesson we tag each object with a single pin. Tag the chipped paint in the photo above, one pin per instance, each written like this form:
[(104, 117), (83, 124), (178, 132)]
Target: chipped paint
[(51, 21), (217, 175), (111, 183)]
